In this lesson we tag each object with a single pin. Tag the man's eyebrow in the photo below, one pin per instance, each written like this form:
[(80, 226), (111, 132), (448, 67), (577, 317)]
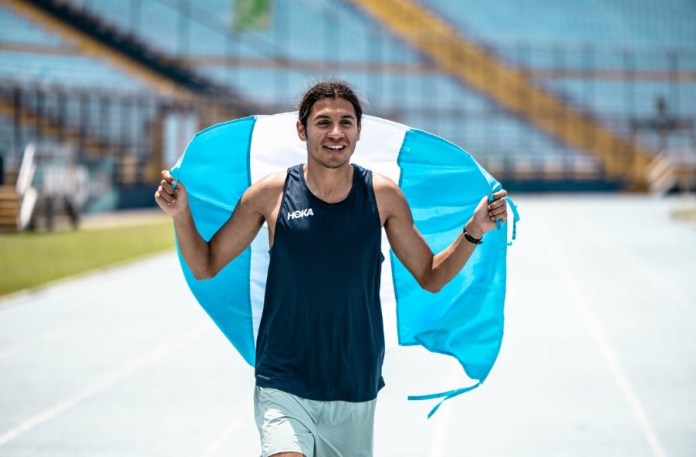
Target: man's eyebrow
[(326, 116)]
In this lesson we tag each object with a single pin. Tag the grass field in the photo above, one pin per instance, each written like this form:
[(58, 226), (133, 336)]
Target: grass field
[(29, 260)]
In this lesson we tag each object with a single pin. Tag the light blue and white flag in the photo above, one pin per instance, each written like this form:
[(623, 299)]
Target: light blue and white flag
[(442, 183)]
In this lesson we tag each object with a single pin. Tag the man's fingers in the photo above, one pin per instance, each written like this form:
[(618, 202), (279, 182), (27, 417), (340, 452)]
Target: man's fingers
[(169, 179), (497, 209), (159, 196), (498, 203), (167, 187), (166, 176), (164, 195)]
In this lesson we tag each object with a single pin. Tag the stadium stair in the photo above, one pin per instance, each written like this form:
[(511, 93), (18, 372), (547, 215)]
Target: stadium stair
[(9, 208), (477, 68), (673, 170)]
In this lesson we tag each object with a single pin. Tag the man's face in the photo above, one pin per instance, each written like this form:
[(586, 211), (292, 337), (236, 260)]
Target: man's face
[(332, 132)]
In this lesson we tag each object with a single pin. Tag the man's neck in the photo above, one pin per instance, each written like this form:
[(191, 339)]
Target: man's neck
[(329, 184)]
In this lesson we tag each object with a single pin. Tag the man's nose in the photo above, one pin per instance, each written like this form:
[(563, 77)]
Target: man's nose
[(336, 131)]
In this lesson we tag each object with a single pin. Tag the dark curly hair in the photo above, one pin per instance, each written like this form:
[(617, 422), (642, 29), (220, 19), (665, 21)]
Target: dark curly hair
[(333, 88)]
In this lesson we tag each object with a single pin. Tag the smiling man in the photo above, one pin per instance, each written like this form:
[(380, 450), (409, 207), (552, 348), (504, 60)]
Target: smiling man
[(320, 345)]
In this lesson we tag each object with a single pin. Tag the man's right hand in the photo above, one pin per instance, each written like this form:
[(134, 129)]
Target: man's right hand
[(171, 196)]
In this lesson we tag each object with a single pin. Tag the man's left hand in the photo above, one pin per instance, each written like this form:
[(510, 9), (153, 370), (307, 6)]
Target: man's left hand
[(487, 214)]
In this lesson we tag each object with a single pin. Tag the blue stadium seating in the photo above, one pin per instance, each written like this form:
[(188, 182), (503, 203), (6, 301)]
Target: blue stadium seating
[(606, 35), (638, 23), (309, 39)]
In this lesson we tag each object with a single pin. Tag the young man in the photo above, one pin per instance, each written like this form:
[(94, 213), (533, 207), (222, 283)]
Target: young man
[(320, 344)]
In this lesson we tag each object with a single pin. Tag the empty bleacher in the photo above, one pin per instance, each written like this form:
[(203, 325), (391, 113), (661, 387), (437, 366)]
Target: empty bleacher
[(608, 62), (614, 59)]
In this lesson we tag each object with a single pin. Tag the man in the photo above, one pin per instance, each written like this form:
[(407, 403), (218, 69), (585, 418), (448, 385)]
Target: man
[(320, 344)]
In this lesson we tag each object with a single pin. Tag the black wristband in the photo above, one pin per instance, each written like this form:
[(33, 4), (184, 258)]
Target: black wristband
[(471, 239)]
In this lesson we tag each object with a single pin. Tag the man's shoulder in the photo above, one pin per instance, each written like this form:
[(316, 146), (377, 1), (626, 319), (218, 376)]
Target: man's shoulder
[(388, 194), (271, 181), (268, 187), (381, 183), (263, 195)]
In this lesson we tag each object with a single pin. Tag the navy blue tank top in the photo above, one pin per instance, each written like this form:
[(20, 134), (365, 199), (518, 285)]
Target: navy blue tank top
[(321, 335)]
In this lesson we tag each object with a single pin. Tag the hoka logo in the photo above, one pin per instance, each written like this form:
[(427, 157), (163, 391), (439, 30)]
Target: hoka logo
[(300, 213)]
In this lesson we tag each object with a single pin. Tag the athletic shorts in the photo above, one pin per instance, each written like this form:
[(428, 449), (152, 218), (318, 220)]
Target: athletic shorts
[(288, 423)]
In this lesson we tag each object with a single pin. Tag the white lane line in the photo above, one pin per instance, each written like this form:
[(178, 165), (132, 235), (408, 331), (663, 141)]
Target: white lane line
[(606, 350), (219, 442), (145, 360)]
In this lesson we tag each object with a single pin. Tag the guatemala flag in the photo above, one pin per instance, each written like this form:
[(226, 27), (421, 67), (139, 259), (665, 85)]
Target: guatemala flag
[(442, 183)]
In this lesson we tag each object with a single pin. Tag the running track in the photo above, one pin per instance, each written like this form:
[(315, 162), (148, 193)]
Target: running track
[(599, 356)]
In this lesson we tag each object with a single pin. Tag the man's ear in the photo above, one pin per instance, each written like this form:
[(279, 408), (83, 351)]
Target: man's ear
[(359, 130), (301, 131)]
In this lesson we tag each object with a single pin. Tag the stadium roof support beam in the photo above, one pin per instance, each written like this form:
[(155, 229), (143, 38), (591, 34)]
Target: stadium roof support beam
[(508, 87)]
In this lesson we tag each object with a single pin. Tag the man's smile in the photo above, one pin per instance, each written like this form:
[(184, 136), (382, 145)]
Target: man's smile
[(335, 148)]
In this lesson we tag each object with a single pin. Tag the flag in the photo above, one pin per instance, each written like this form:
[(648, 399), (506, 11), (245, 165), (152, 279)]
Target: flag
[(442, 183), (251, 14)]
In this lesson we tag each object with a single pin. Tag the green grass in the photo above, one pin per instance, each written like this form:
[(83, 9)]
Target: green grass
[(29, 260)]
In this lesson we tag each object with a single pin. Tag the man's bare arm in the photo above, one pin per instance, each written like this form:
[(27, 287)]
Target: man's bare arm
[(206, 259), (431, 271)]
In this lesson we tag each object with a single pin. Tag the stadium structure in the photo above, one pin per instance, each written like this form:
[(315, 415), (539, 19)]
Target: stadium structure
[(97, 96)]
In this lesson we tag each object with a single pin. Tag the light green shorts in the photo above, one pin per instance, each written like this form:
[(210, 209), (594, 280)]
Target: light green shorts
[(288, 423)]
